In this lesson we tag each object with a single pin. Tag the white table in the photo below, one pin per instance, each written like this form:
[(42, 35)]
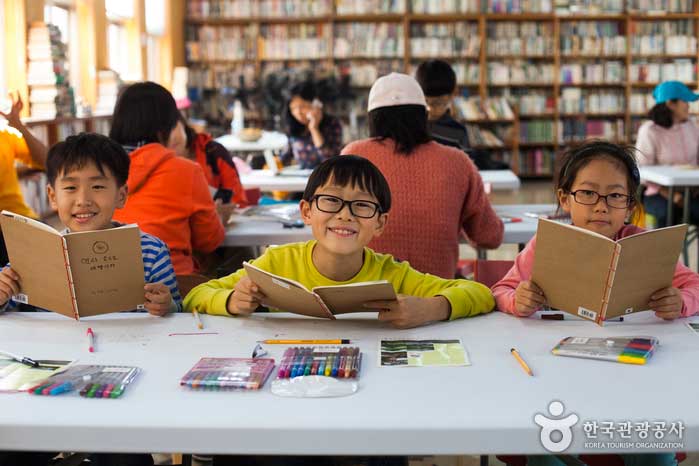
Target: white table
[(270, 141), (263, 232), (521, 232), (265, 180), (483, 409), (672, 177)]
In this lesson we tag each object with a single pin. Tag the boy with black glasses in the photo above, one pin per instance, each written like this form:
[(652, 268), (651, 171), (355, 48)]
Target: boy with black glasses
[(346, 203)]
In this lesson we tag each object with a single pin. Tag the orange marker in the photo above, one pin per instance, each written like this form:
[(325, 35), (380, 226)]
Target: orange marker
[(521, 361)]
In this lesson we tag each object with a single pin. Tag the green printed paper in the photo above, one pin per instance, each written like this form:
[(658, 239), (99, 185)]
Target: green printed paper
[(422, 353), (15, 376)]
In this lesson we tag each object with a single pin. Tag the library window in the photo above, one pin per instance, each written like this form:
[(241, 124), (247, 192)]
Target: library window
[(155, 29), (118, 13), (3, 79), (62, 15)]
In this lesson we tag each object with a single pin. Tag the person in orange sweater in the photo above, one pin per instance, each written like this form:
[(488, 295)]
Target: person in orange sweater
[(437, 191), (168, 195)]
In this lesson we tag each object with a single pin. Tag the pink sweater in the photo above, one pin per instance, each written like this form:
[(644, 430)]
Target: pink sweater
[(685, 279), (677, 145), (436, 192)]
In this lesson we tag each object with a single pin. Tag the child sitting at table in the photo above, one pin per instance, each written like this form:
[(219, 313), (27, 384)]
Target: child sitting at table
[(596, 185), (87, 181), (346, 203)]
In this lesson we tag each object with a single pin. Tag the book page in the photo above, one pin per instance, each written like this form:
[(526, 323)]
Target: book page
[(36, 254), (107, 268), (646, 264), (342, 299), (286, 294), (571, 266)]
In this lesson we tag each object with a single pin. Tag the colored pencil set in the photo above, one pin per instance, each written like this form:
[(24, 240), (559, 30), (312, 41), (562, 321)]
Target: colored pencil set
[(91, 381), (627, 350), (338, 362), (228, 374)]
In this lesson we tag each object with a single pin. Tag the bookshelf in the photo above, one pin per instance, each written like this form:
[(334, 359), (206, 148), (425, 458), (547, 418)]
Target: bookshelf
[(572, 69)]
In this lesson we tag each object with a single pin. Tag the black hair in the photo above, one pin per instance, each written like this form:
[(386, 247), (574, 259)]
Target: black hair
[(307, 91), (577, 157), (214, 150), (145, 112), (350, 170), (436, 78), (78, 151), (661, 114), (405, 124)]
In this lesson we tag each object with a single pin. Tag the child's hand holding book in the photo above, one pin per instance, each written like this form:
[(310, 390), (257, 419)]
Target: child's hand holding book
[(529, 298), (245, 299), (158, 299), (9, 284), (411, 311), (667, 303)]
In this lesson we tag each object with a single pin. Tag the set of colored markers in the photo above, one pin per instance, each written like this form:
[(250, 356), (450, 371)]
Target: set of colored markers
[(341, 363), (92, 381)]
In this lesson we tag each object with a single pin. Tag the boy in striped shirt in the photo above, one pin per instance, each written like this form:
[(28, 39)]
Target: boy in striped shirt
[(87, 181)]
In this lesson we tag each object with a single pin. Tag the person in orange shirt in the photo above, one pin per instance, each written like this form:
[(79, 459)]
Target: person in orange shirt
[(168, 195), (16, 144)]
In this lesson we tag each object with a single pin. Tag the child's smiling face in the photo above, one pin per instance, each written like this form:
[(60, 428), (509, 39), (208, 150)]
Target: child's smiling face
[(604, 177), (343, 233), (86, 198)]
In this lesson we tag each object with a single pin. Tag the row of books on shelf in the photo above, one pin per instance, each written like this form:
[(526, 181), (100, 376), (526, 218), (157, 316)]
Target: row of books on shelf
[(520, 38), (591, 73), (480, 137), (283, 8), (576, 100), (252, 8), (535, 131), (537, 161), (368, 40), (473, 108), (445, 39), (658, 45), (678, 70), (445, 6), (221, 76), (564, 7), (571, 130), (592, 46), (519, 73)]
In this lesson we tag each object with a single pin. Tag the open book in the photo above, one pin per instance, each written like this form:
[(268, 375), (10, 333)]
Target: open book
[(591, 276), (323, 301), (77, 274)]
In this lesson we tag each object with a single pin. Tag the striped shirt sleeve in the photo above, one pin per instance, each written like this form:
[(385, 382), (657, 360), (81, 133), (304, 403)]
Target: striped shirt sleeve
[(157, 266)]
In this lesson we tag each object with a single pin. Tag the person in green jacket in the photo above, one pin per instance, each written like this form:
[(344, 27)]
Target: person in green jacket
[(346, 203)]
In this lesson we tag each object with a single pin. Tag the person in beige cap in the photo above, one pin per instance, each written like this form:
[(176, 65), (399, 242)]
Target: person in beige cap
[(437, 190)]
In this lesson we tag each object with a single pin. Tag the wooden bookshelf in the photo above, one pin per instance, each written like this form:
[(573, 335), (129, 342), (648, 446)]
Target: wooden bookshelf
[(558, 22)]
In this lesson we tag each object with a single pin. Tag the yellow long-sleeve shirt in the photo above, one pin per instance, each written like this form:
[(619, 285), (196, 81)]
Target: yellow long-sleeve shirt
[(294, 261)]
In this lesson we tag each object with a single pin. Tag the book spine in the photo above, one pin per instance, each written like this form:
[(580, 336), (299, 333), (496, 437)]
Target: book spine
[(329, 313), (609, 284), (69, 273)]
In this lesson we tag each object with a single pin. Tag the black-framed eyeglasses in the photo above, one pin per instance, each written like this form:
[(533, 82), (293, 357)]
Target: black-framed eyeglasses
[(614, 200), (333, 204)]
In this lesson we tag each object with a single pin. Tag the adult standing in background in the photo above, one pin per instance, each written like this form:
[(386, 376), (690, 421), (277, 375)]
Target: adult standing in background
[(437, 191), (669, 138), (313, 134)]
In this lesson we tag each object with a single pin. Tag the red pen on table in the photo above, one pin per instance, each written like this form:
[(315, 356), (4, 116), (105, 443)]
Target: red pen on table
[(90, 340)]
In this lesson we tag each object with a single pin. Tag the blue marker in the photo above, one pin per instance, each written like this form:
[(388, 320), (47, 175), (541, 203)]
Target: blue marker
[(63, 388), (336, 362)]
